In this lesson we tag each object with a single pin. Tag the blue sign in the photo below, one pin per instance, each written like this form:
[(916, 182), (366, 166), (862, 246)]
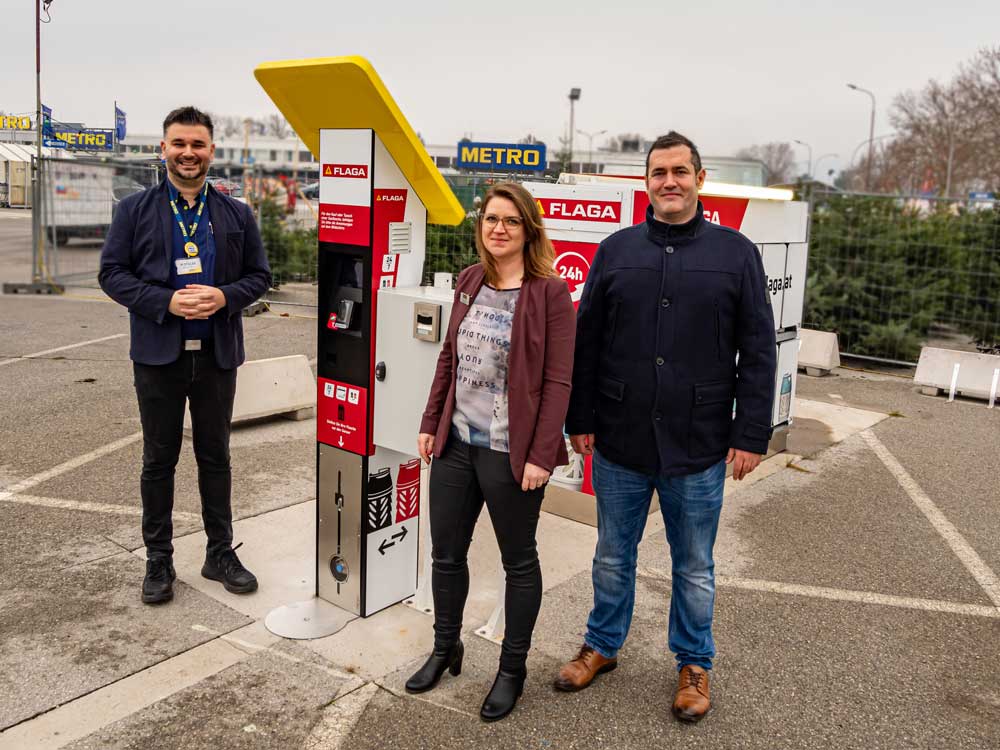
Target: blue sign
[(982, 196), (503, 157), (87, 139), (119, 124), (47, 121), (53, 143)]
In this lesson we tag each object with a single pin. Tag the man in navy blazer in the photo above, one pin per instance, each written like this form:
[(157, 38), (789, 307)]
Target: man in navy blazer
[(674, 328), (185, 260)]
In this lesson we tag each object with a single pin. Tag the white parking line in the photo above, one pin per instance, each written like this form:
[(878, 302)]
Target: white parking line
[(81, 505), (59, 349), (842, 595), (339, 719), (73, 463), (984, 576)]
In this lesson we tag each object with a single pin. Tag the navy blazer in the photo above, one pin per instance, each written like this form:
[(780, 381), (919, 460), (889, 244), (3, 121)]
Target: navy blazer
[(135, 272), (665, 311)]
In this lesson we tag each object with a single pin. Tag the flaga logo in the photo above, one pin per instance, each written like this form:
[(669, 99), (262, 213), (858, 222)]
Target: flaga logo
[(397, 198), (345, 170), (577, 210)]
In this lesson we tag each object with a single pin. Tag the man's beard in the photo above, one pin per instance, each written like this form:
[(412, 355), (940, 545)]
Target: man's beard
[(174, 169)]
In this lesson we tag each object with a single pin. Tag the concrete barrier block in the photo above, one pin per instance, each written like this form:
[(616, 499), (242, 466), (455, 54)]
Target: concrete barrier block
[(819, 351), (973, 374), (282, 386)]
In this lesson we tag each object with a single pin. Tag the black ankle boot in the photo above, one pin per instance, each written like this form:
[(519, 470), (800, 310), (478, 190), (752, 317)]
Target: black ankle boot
[(502, 698), (429, 675)]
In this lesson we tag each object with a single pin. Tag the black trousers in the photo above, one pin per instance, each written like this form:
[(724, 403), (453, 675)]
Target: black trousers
[(162, 391), (461, 480)]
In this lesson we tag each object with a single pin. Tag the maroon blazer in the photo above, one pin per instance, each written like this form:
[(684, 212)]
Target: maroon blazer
[(539, 371)]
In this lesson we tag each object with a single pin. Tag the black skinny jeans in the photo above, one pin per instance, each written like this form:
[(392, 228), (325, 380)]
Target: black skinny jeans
[(461, 480), (162, 391)]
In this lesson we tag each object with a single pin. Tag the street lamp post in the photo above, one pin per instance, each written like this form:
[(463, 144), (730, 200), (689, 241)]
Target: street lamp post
[(809, 171), (574, 96), (871, 135), (590, 144)]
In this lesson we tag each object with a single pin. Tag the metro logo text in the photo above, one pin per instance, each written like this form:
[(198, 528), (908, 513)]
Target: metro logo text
[(579, 210), (346, 170)]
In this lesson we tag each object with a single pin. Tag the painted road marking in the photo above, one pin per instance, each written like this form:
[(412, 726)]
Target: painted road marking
[(94, 711), (339, 719), (984, 576), (81, 505), (65, 466), (59, 349), (843, 595)]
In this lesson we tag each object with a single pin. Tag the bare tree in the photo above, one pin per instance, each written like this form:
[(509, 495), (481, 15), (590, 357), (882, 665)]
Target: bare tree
[(948, 138), (778, 158), (277, 126), (628, 142)]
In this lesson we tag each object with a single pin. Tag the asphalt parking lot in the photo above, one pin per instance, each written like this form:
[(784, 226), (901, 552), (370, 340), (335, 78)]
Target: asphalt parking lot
[(858, 603)]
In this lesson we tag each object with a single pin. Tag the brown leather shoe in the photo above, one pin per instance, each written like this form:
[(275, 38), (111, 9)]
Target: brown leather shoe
[(692, 701), (579, 673)]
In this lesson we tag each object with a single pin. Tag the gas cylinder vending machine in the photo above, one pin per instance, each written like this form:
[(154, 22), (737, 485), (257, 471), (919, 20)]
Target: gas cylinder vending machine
[(581, 210), (371, 236), (378, 190)]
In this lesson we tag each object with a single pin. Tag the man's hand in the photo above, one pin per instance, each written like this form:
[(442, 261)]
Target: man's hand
[(425, 446), (743, 462), (534, 477), (184, 304), (207, 300), (583, 445)]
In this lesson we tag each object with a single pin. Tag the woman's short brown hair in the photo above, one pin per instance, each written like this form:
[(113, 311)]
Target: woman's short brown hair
[(539, 255)]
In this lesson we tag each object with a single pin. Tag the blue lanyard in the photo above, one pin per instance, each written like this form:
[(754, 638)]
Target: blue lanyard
[(190, 248)]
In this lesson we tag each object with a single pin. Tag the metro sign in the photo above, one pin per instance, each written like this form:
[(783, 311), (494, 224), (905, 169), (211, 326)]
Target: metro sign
[(567, 209), (346, 170)]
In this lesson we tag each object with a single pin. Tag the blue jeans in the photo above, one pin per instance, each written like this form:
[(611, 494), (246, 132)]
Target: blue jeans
[(690, 505)]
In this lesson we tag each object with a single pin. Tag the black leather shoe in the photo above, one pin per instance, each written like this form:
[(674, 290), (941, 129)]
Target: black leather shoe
[(227, 568), (429, 675), (158, 585), (502, 698)]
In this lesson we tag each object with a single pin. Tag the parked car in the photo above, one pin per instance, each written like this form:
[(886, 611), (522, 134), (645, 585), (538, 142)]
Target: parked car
[(310, 191), (226, 187)]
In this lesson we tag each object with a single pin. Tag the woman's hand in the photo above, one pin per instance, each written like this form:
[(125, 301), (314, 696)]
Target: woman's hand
[(534, 477), (425, 446)]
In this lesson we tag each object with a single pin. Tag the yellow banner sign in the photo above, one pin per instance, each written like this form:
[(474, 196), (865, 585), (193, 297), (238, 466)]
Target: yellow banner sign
[(15, 122)]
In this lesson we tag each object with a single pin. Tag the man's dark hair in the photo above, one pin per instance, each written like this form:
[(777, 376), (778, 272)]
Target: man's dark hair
[(670, 140), (189, 116)]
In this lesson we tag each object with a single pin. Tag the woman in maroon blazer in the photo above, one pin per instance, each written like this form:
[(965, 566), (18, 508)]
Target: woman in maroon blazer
[(494, 424)]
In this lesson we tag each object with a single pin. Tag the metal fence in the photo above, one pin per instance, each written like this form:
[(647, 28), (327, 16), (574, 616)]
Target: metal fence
[(890, 274), (75, 201)]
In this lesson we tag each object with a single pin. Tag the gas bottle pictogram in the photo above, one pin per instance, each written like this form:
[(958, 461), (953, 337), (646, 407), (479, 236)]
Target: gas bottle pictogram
[(379, 515), (408, 490)]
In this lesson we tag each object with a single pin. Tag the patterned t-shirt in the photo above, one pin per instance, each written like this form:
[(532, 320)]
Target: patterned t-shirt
[(483, 346)]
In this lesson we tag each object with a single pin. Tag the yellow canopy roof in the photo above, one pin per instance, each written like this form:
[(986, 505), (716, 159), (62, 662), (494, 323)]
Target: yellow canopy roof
[(346, 92)]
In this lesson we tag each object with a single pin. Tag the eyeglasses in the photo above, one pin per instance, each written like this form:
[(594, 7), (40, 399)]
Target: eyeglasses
[(509, 222)]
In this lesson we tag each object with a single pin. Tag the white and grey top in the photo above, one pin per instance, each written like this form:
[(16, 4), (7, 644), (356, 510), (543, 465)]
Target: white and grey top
[(483, 347)]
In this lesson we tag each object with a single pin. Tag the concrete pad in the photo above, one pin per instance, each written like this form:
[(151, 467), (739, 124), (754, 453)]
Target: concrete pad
[(278, 547), (69, 632), (271, 699), (842, 421)]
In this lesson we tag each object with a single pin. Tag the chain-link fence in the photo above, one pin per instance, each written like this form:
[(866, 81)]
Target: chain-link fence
[(890, 274)]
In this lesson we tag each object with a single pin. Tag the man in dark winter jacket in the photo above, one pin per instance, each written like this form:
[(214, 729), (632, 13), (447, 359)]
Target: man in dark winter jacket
[(674, 326)]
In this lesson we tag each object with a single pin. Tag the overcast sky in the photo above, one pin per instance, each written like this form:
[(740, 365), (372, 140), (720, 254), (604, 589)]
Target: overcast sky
[(727, 74)]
